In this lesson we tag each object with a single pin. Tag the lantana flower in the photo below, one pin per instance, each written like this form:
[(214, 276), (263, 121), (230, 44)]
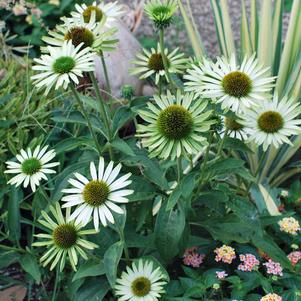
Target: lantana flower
[(221, 275), (249, 263), (271, 297), (225, 254), (273, 268), (289, 225), (33, 166), (193, 258), (294, 257)]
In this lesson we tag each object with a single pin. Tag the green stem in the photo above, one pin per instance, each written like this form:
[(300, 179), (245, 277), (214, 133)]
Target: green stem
[(179, 169), (12, 249), (203, 168), (220, 147), (102, 112), (56, 282), (125, 248), (164, 59), (108, 84), (75, 93), (105, 70)]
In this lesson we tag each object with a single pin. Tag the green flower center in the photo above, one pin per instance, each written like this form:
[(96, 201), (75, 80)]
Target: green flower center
[(155, 62), (161, 10), (96, 193), (31, 166), (175, 122), (88, 12), (270, 122), (232, 124), (141, 286), (237, 84), (80, 35), (63, 64), (65, 236)]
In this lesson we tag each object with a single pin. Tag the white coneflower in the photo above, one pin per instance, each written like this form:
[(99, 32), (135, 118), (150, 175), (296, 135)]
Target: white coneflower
[(151, 63), (161, 12), (32, 167), (234, 128), (175, 125), (62, 66), (141, 282), (65, 239), (99, 195), (273, 122), (90, 34), (234, 87), (104, 13)]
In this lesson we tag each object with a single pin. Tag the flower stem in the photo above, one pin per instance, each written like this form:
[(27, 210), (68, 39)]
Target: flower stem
[(203, 167), (56, 282), (75, 93), (125, 248), (220, 147), (179, 169), (164, 59), (108, 84), (102, 112)]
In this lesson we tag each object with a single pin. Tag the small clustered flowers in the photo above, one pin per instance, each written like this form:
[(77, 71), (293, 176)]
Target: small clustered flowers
[(273, 268), (249, 263), (294, 257), (221, 275), (289, 225), (192, 258), (271, 297), (225, 254)]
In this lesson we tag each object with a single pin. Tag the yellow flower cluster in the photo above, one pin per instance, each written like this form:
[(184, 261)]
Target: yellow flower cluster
[(289, 225), (225, 254), (271, 297)]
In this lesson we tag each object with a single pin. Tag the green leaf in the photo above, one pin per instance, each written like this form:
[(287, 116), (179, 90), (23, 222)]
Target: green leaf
[(169, 228), (70, 144), (184, 189), (30, 265), (93, 290), (122, 146), (7, 258), (77, 118), (89, 269), (13, 214), (267, 245), (121, 117), (236, 144), (111, 260)]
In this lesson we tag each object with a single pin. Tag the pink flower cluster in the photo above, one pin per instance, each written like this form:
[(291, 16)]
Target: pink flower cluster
[(271, 297), (221, 275), (225, 254), (273, 268), (192, 258), (294, 257), (249, 262)]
